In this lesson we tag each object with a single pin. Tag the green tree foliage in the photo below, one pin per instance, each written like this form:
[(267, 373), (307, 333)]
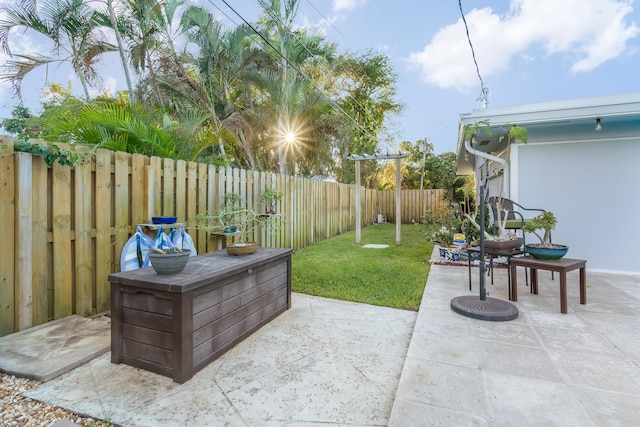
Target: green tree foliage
[(59, 106), (18, 124), (465, 192), (114, 124), (57, 100), (206, 92), (439, 173), (367, 88), (292, 98)]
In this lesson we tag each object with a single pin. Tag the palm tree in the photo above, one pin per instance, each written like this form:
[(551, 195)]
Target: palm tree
[(147, 25), (111, 21), (72, 27), (225, 60), (302, 138), (293, 50), (116, 125)]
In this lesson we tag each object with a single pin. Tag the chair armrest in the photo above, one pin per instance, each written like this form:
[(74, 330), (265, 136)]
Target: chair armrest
[(527, 209)]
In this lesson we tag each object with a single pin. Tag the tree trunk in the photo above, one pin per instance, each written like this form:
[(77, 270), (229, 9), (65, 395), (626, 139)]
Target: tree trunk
[(123, 57)]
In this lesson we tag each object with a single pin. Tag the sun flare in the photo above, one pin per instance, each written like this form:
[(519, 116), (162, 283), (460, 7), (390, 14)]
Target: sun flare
[(292, 137)]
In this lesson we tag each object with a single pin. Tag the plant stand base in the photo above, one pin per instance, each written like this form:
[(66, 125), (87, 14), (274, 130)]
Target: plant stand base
[(491, 309)]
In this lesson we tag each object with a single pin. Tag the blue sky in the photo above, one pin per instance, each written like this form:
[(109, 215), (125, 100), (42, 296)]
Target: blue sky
[(527, 51)]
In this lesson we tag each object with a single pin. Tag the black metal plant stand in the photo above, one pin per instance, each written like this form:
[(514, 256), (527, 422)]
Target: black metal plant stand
[(482, 307)]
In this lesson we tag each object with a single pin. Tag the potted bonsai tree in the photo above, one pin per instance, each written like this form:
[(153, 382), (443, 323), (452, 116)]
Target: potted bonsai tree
[(233, 219), (497, 237), (269, 199), (545, 249), (227, 214)]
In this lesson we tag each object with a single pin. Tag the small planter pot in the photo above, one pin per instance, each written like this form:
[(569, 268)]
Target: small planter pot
[(244, 248), (171, 263), (503, 244), (539, 252), (450, 254), (164, 219)]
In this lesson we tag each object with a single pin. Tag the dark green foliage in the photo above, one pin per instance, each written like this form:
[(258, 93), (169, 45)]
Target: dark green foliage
[(208, 93), (21, 123), (50, 153), (368, 82)]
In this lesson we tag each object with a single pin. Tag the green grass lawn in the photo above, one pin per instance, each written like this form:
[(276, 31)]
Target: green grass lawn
[(392, 277)]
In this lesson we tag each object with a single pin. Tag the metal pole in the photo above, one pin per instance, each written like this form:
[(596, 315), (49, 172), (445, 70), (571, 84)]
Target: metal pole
[(424, 159), (482, 267), (398, 210), (358, 207)]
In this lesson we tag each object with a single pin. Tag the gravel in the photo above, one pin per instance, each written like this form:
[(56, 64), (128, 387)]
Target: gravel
[(17, 410)]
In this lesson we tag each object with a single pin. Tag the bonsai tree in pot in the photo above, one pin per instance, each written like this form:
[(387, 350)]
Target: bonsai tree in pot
[(242, 221), (494, 234), (545, 249), (228, 211), (269, 199), (497, 236)]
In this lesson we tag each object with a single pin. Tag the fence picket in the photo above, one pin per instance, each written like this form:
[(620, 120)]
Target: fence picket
[(42, 278), (24, 241), (199, 235), (192, 197), (139, 186), (168, 187), (181, 191), (104, 244), (84, 266), (155, 195), (61, 227), (7, 258), (122, 204)]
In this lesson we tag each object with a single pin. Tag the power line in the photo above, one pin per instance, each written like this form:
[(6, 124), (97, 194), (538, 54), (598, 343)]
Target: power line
[(306, 49), (266, 7), (227, 16), (401, 92), (262, 2), (484, 92), (327, 20), (300, 72)]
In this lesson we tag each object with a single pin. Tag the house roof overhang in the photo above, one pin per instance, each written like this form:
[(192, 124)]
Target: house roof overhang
[(550, 121)]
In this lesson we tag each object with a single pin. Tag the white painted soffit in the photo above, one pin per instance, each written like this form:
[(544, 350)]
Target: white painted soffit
[(549, 112), (622, 108)]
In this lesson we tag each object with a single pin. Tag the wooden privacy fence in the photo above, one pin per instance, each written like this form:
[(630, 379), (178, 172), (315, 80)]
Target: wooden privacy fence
[(63, 228)]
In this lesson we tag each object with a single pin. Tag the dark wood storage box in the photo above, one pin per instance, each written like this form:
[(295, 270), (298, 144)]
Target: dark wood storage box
[(176, 325)]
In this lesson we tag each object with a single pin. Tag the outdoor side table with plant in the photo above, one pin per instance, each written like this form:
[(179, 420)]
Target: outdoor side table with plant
[(546, 221), (232, 219)]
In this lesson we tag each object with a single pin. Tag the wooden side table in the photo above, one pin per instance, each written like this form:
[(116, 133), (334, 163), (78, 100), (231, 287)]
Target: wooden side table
[(561, 266)]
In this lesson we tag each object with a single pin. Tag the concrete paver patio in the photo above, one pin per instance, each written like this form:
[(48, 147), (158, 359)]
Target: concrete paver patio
[(544, 368), (322, 362), (327, 362)]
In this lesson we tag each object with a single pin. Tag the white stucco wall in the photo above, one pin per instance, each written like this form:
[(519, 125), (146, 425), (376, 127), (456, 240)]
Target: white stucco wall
[(593, 188)]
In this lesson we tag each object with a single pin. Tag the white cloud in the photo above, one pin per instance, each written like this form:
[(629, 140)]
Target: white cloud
[(587, 32), (339, 5), (109, 87)]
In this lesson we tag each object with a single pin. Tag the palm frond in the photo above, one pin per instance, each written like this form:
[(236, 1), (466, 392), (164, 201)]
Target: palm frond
[(15, 71)]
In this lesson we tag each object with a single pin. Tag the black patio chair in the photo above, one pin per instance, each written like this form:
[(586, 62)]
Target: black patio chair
[(515, 218)]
